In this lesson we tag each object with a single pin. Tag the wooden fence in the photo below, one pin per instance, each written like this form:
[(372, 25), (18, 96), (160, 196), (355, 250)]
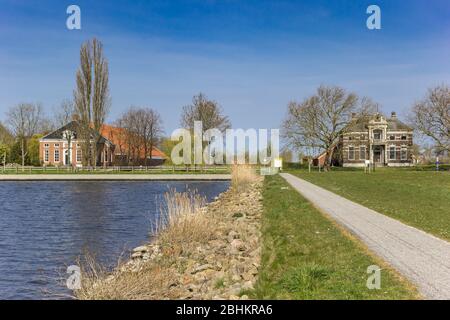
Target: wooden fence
[(116, 169)]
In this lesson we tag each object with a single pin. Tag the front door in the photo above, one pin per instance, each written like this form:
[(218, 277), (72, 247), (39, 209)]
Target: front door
[(66, 158), (378, 155)]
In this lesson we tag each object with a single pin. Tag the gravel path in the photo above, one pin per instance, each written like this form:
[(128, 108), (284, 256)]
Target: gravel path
[(417, 255)]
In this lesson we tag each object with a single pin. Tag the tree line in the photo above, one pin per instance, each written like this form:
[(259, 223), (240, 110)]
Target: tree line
[(140, 129), (315, 124), (310, 126)]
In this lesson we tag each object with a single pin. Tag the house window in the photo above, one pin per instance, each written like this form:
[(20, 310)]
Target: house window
[(404, 153), (56, 155), (362, 153), (351, 153), (403, 137), (392, 153), (377, 134), (56, 145), (46, 153), (391, 137), (79, 155)]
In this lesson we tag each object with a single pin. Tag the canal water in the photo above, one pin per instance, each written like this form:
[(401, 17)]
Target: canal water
[(46, 226)]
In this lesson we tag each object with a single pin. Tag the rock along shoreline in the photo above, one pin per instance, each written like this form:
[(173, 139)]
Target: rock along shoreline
[(224, 265)]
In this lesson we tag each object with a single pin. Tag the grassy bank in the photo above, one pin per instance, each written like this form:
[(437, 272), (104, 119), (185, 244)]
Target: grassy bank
[(306, 256), (418, 198)]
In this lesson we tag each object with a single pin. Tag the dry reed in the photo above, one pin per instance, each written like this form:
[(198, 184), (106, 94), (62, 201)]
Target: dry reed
[(183, 224), (242, 176)]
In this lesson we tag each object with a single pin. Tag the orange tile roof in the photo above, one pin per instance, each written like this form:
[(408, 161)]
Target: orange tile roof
[(113, 134)]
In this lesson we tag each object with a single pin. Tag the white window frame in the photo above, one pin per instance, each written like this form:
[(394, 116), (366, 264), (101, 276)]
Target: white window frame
[(46, 154), (365, 152), (395, 153), (376, 131), (56, 152), (351, 147), (406, 153), (79, 155)]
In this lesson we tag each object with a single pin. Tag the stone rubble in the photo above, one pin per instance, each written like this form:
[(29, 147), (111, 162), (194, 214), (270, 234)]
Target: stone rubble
[(224, 267)]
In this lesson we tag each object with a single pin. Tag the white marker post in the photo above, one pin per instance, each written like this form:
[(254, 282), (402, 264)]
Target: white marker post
[(367, 166)]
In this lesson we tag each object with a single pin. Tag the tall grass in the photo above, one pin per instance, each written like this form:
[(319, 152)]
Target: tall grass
[(242, 176), (184, 223), (183, 219), (99, 284)]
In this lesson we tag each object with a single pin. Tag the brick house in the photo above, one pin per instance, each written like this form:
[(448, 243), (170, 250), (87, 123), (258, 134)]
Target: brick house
[(381, 140), (63, 148), (54, 148)]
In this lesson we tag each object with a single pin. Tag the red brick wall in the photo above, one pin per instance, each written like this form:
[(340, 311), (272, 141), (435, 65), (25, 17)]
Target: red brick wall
[(51, 148)]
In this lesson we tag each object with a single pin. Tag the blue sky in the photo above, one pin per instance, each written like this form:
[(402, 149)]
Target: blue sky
[(251, 56)]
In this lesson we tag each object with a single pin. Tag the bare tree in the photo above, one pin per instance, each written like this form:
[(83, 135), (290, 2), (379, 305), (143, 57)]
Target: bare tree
[(24, 120), (91, 97), (431, 117), (142, 128), (318, 121), (119, 136), (46, 125), (151, 131), (205, 110), (129, 122), (64, 113)]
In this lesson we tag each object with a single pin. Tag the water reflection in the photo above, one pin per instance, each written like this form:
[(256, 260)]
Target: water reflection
[(46, 225)]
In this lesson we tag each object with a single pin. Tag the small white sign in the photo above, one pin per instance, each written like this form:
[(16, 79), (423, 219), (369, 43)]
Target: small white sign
[(278, 163)]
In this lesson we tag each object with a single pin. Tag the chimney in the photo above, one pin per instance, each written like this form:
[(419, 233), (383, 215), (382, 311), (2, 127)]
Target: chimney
[(393, 115)]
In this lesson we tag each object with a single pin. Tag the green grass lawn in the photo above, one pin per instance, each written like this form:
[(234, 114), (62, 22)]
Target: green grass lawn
[(417, 198), (306, 256)]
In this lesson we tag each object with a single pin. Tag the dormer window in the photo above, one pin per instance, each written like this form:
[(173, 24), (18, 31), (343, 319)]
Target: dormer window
[(377, 134)]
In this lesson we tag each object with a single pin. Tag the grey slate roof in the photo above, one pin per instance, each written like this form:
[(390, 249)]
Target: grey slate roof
[(361, 124), (396, 125), (72, 126)]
